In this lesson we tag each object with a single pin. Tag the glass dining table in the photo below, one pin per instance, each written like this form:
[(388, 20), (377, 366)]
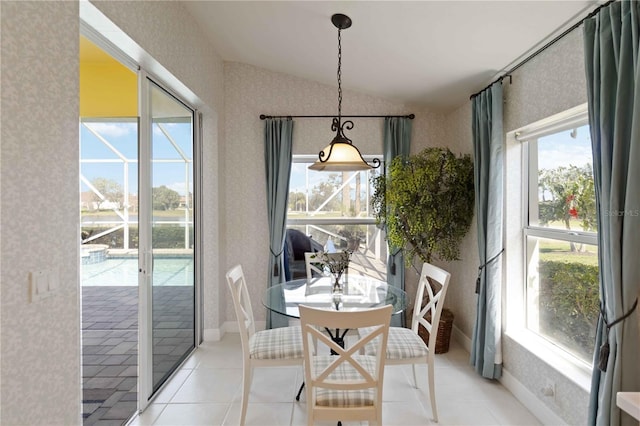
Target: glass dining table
[(359, 292)]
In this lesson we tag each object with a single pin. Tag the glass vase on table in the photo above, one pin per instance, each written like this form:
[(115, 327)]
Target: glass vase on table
[(336, 290), (337, 264)]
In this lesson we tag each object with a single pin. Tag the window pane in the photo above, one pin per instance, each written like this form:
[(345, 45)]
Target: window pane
[(366, 241), (108, 139), (566, 196), (328, 195), (333, 208), (562, 294), (109, 182)]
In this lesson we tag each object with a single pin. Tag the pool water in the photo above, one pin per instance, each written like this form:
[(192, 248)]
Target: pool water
[(167, 271)]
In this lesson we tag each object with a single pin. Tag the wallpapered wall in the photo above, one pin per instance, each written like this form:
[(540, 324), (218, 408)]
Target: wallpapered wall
[(251, 91), (167, 32), (461, 296), (550, 83), (39, 198), (40, 342)]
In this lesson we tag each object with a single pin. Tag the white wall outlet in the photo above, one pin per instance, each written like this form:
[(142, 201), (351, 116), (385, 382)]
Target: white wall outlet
[(54, 280), (549, 389), (38, 285), (42, 284)]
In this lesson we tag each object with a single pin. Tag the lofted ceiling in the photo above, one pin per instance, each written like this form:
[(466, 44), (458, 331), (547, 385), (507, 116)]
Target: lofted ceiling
[(432, 53)]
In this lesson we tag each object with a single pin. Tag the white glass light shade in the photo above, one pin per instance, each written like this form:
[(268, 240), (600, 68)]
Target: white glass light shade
[(343, 157)]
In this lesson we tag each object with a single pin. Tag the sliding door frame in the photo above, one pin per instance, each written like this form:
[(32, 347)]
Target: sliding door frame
[(145, 258), (145, 252), (145, 261)]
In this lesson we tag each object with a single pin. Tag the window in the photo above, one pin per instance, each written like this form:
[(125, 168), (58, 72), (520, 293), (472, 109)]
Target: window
[(560, 234), (333, 209)]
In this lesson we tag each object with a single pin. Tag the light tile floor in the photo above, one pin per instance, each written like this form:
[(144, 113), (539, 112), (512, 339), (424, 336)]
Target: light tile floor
[(207, 391)]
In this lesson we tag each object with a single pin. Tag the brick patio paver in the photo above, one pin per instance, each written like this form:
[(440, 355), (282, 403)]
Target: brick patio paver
[(110, 346)]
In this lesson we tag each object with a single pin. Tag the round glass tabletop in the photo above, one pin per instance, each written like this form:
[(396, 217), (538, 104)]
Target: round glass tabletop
[(358, 292)]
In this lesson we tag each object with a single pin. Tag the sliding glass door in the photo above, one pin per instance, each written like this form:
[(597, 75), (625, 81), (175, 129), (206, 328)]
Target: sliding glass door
[(167, 262)]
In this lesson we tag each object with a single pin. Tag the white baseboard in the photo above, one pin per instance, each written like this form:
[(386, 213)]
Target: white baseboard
[(522, 394), (529, 400), (216, 334), (461, 338), (212, 334)]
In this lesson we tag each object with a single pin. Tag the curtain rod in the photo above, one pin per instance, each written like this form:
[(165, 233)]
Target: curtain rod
[(543, 48), (409, 116)]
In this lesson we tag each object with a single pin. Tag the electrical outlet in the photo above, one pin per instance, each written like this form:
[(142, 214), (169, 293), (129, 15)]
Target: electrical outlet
[(549, 389), (38, 285), (42, 284)]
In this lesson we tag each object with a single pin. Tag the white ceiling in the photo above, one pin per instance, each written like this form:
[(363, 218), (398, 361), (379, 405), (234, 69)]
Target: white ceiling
[(433, 53)]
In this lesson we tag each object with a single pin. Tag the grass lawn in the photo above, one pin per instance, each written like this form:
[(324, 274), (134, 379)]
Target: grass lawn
[(560, 251)]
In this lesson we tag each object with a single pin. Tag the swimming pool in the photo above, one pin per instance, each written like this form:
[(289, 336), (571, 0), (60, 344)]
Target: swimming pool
[(167, 271)]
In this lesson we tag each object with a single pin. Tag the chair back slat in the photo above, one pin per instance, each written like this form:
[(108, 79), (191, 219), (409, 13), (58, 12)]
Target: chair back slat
[(435, 282), (242, 305), (313, 265), (348, 370)]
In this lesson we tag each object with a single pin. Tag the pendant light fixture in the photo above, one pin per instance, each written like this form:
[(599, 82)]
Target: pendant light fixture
[(341, 155)]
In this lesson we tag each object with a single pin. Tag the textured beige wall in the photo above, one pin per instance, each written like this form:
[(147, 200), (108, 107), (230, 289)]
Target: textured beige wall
[(251, 91), (429, 130), (552, 82), (167, 32), (461, 297), (40, 366), (40, 342)]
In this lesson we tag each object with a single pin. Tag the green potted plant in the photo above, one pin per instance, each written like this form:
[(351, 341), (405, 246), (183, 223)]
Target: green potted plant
[(426, 204)]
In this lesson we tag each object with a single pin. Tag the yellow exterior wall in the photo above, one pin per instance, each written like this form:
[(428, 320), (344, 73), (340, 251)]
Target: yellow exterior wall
[(107, 88)]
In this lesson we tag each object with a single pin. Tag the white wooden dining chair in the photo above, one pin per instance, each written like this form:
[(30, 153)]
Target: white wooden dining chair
[(263, 348), (405, 346), (313, 265), (346, 386)]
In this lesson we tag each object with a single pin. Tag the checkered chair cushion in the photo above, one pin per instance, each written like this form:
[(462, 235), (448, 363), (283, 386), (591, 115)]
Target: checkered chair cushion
[(277, 343), (345, 371), (402, 343)]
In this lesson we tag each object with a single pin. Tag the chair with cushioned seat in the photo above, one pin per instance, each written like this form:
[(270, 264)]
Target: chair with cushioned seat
[(264, 348), (346, 386), (405, 346)]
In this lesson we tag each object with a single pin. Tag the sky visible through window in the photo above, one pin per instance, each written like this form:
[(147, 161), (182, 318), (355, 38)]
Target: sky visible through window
[(559, 149), (123, 136), (565, 149)]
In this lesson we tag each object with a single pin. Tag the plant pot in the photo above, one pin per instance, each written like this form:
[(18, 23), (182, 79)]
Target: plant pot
[(444, 331)]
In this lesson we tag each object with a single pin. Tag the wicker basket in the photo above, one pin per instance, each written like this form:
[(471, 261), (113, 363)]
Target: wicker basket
[(444, 331)]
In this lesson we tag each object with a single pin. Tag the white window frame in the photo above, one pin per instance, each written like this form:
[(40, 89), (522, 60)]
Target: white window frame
[(520, 194), (377, 246), (297, 158)]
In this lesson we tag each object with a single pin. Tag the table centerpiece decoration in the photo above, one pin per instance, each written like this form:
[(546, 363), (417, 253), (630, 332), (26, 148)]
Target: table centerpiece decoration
[(336, 263)]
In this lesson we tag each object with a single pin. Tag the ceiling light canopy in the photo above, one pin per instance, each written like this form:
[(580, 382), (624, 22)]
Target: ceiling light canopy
[(341, 155)]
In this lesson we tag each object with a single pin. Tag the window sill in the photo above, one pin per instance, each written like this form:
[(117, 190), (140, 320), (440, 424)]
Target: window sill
[(565, 364)]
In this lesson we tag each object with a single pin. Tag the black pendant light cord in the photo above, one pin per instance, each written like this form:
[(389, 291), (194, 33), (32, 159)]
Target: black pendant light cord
[(341, 23), (339, 74)]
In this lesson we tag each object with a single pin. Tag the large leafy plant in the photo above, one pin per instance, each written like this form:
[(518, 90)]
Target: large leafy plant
[(426, 203)]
